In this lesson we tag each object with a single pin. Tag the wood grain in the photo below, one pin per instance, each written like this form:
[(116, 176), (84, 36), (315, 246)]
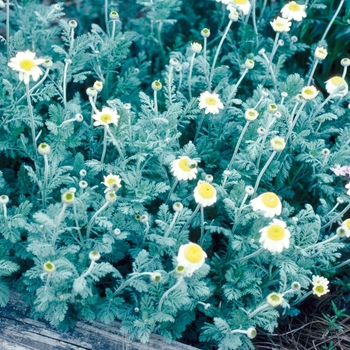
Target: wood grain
[(19, 332)]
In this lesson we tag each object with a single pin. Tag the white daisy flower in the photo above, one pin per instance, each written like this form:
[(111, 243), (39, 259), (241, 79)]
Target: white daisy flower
[(196, 47), (348, 187), (309, 92), (275, 237), (205, 194), (243, 5), (184, 168), (274, 299), (333, 83), (112, 182), (191, 256), (346, 227), (281, 25), (106, 117), (27, 66), (251, 114), (267, 202), (320, 285), (293, 11), (211, 102)]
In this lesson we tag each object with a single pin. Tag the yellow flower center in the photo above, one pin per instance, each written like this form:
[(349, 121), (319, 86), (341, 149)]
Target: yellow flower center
[(294, 7), (193, 253), (27, 65), (106, 118), (111, 181), (183, 164), (347, 223), (319, 289), (240, 2), (308, 92), (336, 80), (206, 190), (275, 297), (270, 200), (275, 232), (210, 101), (279, 24)]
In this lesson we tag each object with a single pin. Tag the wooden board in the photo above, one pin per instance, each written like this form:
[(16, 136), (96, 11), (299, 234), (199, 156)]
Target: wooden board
[(19, 332)]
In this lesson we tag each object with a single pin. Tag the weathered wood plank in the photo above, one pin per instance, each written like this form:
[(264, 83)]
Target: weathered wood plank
[(19, 332)]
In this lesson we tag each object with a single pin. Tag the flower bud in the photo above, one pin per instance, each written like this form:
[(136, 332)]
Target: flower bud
[(296, 286), (44, 149), (209, 178), (251, 332), (156, 276), (98, 85), (114, 15), (233, 15), (261, 131), (249, 63), (111, 197), (92, 92), (345, 62), (294, 39), (205, 32), (272, 108), (4, 199), (94, 255), (73, 24), (68, 198), (178, 206), (321, 53), (83, 184), (82, 172), (180, 270), (127, 106), (157, 85), (196, 47), (249, 190), (251, 114), (47, 63), (49, 267), (278, 144), (117, 231), (79, 117)]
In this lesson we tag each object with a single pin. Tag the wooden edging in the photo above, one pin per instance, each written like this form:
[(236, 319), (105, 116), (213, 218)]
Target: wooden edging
[(19, 332)]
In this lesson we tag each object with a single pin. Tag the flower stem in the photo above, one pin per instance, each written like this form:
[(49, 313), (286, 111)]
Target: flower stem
[(114, 23), (116, 144), (59, 219), (254, 24), (259, 309), (155, 103), (106, 17), (239, 213), (202, 226), (87, 272), (5, 211), (8, 28), (77, 224), (190, 75), (339, 216), (313, 71), (191, 217), (64, 88), (179, 281), (332, 20), (89, 226), (170, 82), (293, 122), (269, 124), (125, 283), (46, 176), (234, 89), (217, 53), (171, 226), (257, 252), (199, 127), (172, 190), (32, 125), (104, 144), (238, 144), (263, 171)]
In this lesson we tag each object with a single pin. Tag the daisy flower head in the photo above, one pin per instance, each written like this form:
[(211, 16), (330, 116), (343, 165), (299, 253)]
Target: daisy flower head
[(320, 285), (112, 182), (205, 193), (321, 53), (243, 5), (106, 117), (184, 168), (196, 47), (278, 144), (309, 92), (274, 299), (27, 65), (267, 202), (345, 226), (339, 84), (293, 11), (275, 237), (251, 114), (348, 187), (211, 102), (280, 25), (191, 256)]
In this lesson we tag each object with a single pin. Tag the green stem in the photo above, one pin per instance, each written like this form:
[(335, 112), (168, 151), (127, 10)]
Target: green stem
[(259, 309), (190, 76), (339, 216), (46, 176), (179, 281), (89, 226), (199, 127), (170, 82), (114, 23), (312, 71), (263, 171), (64, 87), (191, 217), (155, 103), (58, 222), (257, 252), (332, 20), (172, 190), (8, 28), (106, 17), (77, 224), (202, 226), (172, 224), (125, 283), (217, 54), (32, 124), (104, 144), (238, 144), (116, 144)]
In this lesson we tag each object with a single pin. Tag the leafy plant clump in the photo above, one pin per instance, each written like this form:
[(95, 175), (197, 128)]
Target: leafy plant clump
[(180, 167)]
